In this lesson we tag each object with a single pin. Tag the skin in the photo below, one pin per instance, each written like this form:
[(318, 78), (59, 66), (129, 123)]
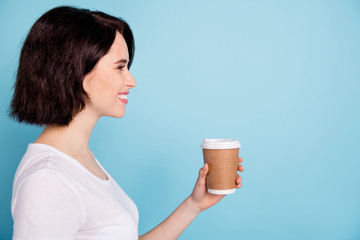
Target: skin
[(103, 83)]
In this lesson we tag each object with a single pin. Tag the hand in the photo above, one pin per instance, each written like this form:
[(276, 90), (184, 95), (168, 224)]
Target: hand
[(200, 196)]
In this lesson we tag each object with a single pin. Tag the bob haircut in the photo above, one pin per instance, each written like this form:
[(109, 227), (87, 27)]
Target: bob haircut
[(63, 45)]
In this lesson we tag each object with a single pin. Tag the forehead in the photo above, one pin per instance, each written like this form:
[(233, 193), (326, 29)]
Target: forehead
[(118, 49)]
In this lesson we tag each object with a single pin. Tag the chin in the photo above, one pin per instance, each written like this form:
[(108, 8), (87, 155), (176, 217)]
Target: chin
[(115, 112), (118, 115)]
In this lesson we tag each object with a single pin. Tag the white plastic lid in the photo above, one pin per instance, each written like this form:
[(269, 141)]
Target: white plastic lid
[(220, 143)]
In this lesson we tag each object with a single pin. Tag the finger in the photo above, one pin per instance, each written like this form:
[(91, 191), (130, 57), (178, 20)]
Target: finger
[(240, 159), (238, 179), (238, 186), (240, 168)]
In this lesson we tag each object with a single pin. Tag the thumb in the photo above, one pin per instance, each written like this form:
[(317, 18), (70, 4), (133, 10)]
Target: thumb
[(203, 172), (205, 169)]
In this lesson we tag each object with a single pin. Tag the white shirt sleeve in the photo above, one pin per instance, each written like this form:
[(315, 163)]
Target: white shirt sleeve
[(46, 207)]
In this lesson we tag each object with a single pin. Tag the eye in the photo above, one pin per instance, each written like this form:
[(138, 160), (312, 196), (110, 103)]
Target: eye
[(121, 68)]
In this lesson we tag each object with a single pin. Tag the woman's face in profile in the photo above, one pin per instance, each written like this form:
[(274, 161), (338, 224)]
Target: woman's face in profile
[(110, 80)]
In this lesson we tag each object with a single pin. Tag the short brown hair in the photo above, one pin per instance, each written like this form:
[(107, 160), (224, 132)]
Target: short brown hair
[(63, 45)]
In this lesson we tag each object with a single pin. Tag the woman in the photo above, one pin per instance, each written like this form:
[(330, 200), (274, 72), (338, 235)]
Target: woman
[(74, 69)]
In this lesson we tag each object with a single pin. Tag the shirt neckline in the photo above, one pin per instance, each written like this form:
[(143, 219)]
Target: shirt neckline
[(76, 162)]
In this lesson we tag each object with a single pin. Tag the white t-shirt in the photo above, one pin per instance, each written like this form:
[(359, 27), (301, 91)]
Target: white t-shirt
[(55, 197)]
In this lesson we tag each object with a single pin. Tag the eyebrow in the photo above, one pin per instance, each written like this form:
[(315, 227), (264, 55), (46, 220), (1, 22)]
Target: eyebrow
[(121, 61)]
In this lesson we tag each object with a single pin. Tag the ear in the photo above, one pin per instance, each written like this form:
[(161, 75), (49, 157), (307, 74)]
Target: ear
[(87, 82)]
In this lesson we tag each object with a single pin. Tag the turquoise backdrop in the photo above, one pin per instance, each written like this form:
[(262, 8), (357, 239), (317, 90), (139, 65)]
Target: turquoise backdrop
[(283, 77)]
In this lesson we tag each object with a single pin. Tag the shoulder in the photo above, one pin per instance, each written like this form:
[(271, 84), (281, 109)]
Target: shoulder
[(44, 197), (46, 205), (46, 178), (41, 174), (46, 190), (40, 159)]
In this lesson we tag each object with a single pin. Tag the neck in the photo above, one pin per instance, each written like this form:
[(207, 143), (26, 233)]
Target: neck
[(72, 139)]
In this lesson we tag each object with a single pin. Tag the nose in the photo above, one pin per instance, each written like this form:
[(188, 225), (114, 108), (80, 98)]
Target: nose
[(130, 80)]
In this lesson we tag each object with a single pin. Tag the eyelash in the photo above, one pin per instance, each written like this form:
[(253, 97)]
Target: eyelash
[(121, 68)]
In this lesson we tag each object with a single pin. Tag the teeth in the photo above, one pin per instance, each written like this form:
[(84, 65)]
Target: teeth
[(122, 96)]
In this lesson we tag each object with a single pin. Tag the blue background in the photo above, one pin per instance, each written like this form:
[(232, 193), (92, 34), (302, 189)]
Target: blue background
[(283, 77)]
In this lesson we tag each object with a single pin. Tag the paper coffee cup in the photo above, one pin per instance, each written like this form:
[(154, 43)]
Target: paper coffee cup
[(222, 157)]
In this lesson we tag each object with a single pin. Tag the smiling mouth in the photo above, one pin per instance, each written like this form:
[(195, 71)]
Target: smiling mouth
[(122, 98)]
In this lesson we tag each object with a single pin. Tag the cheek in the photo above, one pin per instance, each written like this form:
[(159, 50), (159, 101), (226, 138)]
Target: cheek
[(108, 84), (108, 93)]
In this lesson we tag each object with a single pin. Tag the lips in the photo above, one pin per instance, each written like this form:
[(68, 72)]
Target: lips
[(122, 97)]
